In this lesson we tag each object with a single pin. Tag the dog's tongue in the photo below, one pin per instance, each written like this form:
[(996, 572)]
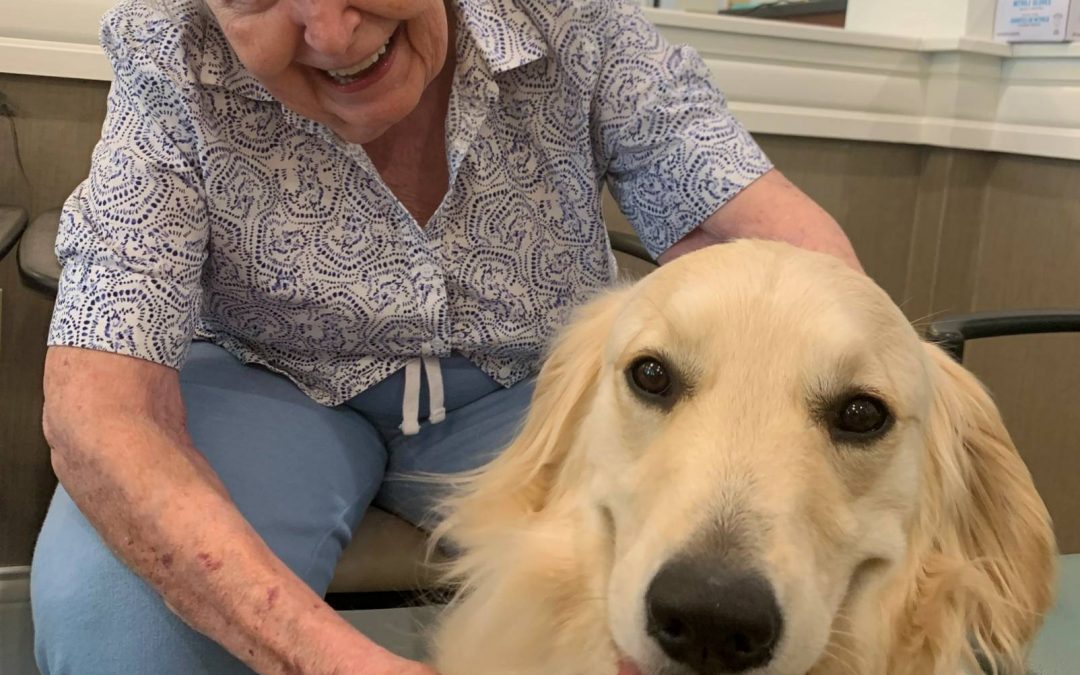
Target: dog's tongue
[(627, 668)]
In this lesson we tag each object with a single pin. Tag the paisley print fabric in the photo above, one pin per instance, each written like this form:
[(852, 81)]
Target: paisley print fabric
[(212, 212)]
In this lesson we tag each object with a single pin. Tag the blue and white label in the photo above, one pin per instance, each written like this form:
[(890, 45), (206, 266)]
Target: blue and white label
[(1034, 20)]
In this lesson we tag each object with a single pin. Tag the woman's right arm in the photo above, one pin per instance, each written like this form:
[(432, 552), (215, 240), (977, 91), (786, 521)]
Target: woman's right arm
[(133, 242), (121, 450)]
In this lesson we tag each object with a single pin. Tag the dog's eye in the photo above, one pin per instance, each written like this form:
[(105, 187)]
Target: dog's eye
[(650, 376), (861, 417)]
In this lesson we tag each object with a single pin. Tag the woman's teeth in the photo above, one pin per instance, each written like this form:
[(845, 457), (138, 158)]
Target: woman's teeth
[(346, 75)]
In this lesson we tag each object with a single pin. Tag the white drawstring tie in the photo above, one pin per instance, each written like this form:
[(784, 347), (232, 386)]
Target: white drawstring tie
[(410, 403)]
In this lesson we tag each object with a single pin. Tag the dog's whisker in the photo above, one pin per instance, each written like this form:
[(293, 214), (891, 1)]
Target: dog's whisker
[(843, 648), (840, 658), (927, 319), (839, 651), (843, 633), (842, 665)]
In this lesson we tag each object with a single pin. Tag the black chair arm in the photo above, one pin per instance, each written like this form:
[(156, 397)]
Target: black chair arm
[(951, 332)]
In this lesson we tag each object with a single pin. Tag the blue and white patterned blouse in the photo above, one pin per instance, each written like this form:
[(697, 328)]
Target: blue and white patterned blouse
[(213, 212)]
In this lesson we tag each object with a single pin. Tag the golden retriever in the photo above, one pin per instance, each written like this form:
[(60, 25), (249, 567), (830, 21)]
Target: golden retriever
[(748, 462)]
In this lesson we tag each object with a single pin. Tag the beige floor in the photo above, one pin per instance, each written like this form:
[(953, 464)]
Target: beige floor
[(1056, 652), (399, 630)]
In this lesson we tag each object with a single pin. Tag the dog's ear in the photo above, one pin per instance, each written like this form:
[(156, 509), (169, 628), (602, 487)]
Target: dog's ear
[(564, 388), (519, 481), (987, 569)]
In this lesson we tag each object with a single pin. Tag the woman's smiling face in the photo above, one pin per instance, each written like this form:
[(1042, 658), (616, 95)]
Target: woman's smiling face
[(356, 66)]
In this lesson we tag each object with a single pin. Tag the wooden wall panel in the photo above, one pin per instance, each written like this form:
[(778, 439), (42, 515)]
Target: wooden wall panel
[(870, 188), (1030, 257), (26, 478), (58, 122)]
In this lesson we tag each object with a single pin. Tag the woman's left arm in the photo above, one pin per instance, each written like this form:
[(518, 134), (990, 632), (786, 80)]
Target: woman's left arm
[(769, 208), (684, 172)]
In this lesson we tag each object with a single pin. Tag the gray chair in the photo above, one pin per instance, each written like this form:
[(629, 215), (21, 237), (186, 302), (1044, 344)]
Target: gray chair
[(12, 224)]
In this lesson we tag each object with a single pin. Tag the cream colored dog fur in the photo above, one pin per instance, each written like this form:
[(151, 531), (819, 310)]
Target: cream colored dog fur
[(891, 551)]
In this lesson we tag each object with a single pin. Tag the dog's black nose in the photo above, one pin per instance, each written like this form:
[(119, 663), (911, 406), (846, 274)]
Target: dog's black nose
[(712, 618)]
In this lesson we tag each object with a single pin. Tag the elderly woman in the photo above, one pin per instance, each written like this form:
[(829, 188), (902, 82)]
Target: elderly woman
[(323, 241)]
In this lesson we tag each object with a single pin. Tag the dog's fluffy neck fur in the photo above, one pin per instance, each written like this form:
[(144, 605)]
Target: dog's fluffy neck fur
[(555, 595)]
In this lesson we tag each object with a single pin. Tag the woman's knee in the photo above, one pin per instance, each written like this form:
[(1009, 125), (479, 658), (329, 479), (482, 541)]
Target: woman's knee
[(301, 473)]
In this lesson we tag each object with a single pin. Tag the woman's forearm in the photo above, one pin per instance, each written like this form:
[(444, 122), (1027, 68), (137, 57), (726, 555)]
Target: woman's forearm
[(770, 208), (160, 507)]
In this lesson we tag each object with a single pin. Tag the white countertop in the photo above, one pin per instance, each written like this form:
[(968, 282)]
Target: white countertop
[(779, 77)]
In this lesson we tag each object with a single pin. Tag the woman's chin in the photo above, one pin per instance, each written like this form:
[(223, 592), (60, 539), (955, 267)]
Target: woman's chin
[(358, 134), (364, 126)]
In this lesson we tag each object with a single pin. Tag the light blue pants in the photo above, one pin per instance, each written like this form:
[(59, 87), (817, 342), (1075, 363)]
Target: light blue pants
[(301, 473)]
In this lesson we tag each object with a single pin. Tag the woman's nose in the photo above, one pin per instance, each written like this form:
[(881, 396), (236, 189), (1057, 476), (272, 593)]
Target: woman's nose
[(328, 25)]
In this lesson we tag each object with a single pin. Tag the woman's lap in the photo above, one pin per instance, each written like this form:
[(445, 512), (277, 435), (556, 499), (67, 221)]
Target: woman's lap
[(468, 438), (301, 473)]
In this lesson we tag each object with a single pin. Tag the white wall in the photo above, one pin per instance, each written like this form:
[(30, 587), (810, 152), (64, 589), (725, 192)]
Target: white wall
[(73, 21), (77, 20), (783, 78), (923, 18), (53, 37)]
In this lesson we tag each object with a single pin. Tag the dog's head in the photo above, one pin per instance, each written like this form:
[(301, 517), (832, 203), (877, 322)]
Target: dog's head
[(761, 468)]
